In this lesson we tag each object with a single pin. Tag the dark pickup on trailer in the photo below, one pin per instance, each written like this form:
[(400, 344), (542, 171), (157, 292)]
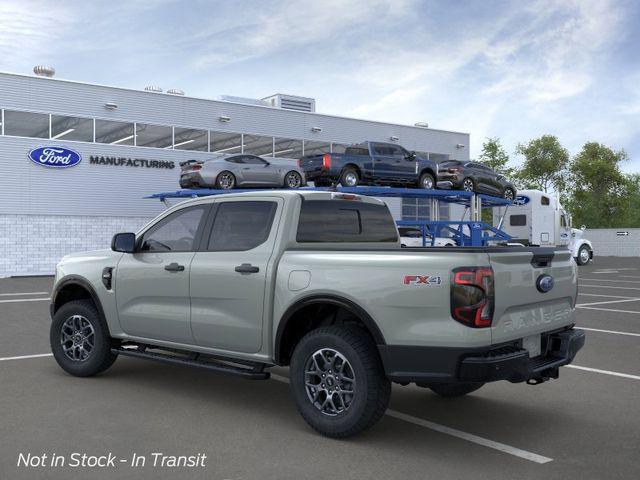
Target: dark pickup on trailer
[(371, 163)]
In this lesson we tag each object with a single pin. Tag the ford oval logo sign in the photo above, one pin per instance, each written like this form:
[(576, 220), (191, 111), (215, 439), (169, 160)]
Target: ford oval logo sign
[(55, 157), (544, 283), (521, 200)]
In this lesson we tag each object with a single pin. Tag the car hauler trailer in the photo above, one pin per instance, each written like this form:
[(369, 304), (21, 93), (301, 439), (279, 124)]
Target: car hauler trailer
[(538, 219), (465, 233)]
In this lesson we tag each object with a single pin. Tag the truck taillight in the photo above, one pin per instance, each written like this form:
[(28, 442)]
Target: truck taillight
[(326, 161), (472, 296)]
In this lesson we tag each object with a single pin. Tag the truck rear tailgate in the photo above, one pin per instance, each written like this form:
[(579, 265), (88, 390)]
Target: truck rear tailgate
[(522, 306)]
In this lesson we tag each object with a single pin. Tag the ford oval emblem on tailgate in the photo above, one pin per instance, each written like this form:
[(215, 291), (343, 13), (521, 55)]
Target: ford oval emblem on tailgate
[(544, 283), (56, 157)]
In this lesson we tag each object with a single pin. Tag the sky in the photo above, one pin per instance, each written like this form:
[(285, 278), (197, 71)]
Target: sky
[(509, 69)]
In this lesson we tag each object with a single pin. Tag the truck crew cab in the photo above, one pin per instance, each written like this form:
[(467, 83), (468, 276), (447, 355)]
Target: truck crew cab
[(537, 218), (317, 281)]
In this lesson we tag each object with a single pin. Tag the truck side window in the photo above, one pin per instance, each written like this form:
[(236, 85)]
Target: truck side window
[(240, 226), (174, 233), (545, 200), (345, 221), (518, 220)]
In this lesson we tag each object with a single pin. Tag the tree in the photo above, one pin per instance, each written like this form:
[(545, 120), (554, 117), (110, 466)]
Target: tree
[(600, 192), (495, 157), (545, 164)]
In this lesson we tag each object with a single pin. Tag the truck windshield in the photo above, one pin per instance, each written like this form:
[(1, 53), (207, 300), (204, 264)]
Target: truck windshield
[(345, 221)]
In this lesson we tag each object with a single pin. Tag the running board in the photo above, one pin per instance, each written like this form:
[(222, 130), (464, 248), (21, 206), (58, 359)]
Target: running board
[(251, 372)]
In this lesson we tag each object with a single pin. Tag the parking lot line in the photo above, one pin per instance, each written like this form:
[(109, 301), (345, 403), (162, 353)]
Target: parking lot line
[(24, 357), (600, 295), (633, 299), (610, 331), (610, 286), (609, 310), (16, 300), (516, 452), (608, 280), (22, 293), (606, 372)]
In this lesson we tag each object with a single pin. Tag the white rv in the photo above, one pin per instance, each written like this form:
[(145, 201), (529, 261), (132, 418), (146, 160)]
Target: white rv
[(537, 218)]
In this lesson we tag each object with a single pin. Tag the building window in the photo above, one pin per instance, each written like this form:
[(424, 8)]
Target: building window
[(287, 148), (257, 145), (114, 133), (416, 209), (190, 139), (26, 124), (71, 128), (156, 136), (316, 148), (226, 142)]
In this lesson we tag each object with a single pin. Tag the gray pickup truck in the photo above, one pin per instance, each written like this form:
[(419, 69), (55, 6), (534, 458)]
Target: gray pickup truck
[(317, 281)]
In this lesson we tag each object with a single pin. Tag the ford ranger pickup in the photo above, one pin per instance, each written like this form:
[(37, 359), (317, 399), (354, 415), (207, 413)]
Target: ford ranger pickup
[(317, 281), (371, 163)]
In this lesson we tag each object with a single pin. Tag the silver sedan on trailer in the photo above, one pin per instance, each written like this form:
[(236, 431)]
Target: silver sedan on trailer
[(231, 171)]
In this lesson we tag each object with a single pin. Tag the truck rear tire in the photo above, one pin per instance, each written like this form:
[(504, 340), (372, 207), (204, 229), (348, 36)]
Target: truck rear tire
[(349, 177), (338, 381), (455, 389), (80, 339)]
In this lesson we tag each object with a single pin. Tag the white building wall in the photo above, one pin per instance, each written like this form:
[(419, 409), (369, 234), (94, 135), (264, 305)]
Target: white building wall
[(614, 242), (33, 244)]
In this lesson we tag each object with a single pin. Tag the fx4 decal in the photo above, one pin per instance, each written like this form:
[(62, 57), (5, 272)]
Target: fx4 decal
[(423, 280)]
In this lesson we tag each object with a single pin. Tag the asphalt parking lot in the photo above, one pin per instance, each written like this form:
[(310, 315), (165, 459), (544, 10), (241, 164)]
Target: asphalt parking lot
[(585, 425)]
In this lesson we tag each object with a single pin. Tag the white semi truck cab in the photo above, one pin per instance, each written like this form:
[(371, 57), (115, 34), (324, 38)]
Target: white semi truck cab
[(537, 218)]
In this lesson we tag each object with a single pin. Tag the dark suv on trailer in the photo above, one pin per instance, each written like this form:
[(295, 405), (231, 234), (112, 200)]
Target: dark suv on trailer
[(475, 177)]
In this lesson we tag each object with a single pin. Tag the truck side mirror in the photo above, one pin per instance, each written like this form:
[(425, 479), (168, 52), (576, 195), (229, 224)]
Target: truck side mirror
[(124, 242), (410, 156)]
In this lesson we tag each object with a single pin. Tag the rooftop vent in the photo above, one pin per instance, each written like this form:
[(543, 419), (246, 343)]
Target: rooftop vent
[(175, 91), (291, 102), (422, 124), (44, 71), (153, 88)]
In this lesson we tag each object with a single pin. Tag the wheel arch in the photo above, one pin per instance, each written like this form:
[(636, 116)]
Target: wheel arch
[(75, 288), (430, 171), (291, 329), (355, 166)]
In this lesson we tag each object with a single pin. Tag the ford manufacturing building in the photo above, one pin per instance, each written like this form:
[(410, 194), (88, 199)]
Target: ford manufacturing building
[(128, 144)]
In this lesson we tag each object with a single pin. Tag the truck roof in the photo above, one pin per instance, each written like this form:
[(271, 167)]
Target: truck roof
[(305, 194)]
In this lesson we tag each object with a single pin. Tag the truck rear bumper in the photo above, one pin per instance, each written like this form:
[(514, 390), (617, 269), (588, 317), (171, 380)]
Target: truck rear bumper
[(428, 365)]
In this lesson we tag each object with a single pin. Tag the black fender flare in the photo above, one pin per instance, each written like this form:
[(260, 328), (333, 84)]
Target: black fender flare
[(336, 300), (81, 282)]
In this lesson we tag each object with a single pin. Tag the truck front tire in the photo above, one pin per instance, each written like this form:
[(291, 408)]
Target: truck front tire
[(584, 255), (80, 339), (338, 381)]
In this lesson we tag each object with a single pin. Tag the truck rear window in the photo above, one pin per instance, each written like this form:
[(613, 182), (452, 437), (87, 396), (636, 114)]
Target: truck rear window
[(359, 150), (345, 221)]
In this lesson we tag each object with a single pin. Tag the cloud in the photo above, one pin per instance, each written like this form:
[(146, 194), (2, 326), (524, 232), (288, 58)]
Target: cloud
[(30, 29)]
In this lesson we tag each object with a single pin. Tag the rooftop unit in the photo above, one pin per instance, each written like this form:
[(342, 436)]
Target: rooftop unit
[(291, 102)]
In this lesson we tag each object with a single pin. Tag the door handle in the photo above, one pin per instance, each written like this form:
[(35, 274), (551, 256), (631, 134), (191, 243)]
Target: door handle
[(174, 267), (247, 268)]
